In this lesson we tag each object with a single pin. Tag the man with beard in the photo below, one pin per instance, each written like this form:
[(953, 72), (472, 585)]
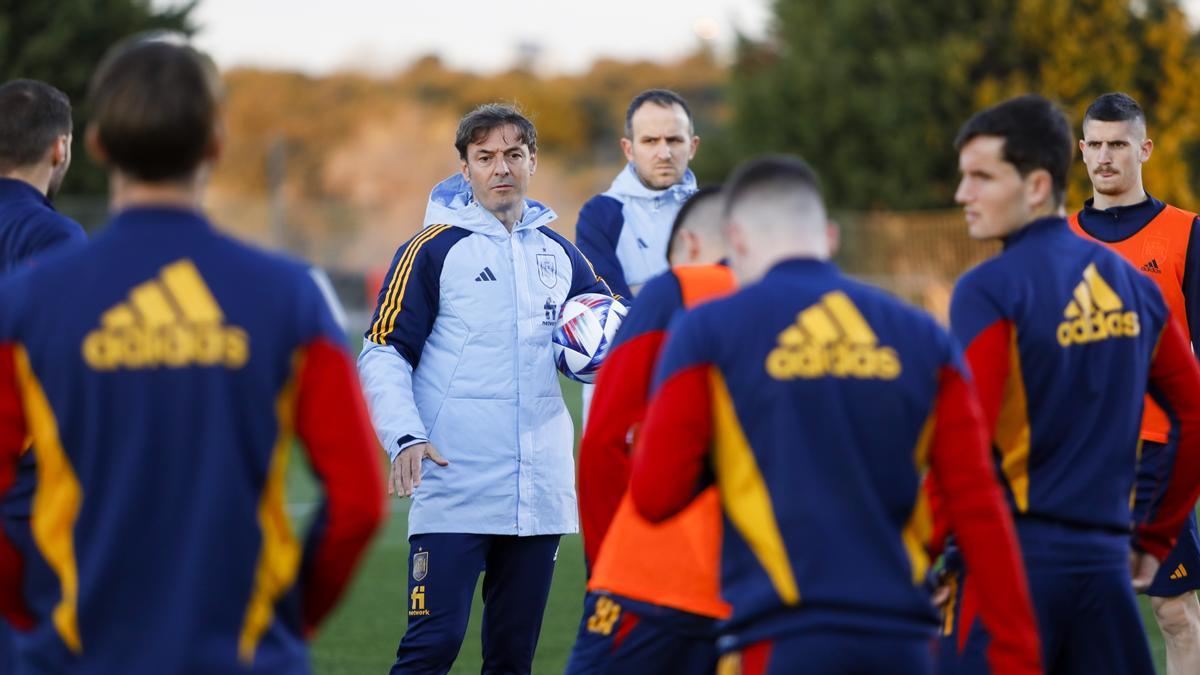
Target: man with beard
[(35, 153), (625, 231)]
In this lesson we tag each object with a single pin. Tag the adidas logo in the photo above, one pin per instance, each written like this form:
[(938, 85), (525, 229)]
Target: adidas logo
[(486, 275), (171, 321), (831, 339), (1094, 313), (1152, 267), (1179, 573)]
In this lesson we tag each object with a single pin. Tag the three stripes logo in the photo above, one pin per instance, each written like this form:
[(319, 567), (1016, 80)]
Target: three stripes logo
[(1179, 573), (171, 321), (385, 321), (1152, 267), (1094, 313), (486, 275), (831, 339)]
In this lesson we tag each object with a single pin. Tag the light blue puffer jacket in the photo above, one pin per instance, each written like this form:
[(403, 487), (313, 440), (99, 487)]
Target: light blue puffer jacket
[(458, 353)]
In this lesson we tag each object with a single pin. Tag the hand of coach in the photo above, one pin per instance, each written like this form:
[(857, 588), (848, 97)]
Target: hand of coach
[(406, 468)]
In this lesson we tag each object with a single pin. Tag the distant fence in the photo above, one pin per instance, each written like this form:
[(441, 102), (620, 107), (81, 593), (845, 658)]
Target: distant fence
[(915, 255)]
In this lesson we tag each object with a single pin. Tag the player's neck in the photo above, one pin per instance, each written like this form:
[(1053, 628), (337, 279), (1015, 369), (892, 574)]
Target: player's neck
[(36, 176), (1134, 195), (129, 193)]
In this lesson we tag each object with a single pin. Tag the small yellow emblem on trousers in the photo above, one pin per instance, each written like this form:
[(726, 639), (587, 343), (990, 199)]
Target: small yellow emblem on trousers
[(831, 339), (171, 321), (1179, 573)]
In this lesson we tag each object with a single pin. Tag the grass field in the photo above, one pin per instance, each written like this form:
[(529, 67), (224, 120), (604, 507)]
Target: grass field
[(361, 636)]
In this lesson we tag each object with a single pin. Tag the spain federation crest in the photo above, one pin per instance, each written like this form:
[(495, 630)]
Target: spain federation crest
[(420, 565), (547, 269)]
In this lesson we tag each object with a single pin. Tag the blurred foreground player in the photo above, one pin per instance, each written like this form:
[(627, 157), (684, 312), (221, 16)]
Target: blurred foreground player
[(1062, 336), (35, 153), (1161, 241), (163, 372), (816, 404), (653, 597)]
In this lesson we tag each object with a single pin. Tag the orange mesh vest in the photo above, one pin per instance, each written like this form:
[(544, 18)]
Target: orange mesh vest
[(676, 563), (1159, 250)]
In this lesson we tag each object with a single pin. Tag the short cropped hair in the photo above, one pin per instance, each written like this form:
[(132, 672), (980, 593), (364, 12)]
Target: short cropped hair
[(1115, 107), (1036, 136), (154, 105), (785, 173), (32, 116), (702, 196), (662, 97), (477, 124)]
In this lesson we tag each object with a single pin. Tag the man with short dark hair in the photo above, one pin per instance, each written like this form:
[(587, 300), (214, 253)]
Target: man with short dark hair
[(458, 369), (1063, 338), (1161, 241), (652, 604), (164, 372), (35, 153), (625, 231), (816, 404)]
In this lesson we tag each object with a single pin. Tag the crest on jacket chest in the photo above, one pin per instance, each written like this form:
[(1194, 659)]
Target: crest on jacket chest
[(547, 269)]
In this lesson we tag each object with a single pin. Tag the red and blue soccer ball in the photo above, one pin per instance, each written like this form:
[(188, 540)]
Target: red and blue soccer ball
[(585, 330)]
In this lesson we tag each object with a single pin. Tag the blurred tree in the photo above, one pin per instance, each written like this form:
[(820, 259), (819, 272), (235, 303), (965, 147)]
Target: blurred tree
[(872, 91), (61, 42)]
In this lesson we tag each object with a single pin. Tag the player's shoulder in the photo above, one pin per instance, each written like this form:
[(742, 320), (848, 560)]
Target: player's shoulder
[(432, 243), (602, 210), (897, 312)]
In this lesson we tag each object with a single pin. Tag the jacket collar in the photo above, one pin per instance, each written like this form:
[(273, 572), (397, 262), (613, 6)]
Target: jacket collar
[(452, 203)]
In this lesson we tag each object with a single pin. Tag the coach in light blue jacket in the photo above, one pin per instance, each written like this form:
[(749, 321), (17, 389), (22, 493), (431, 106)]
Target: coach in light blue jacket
[(465, 398)]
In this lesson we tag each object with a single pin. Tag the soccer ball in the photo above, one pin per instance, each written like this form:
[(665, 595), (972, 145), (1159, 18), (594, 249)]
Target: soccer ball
[(586, 327)]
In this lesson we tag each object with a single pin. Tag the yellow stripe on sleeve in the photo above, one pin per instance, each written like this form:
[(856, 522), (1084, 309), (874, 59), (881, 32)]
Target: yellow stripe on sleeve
[(744, 494), (279, 557), (386, 321), (56, 501), (919, 528), (1012, 431), (404, 271)]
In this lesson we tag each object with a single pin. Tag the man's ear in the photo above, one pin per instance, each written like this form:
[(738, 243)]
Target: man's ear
[(627, 148), (216, 143), (61, 150), (833, 234), (91, 142), (1039, 188), (695, 146), (1146, 149)]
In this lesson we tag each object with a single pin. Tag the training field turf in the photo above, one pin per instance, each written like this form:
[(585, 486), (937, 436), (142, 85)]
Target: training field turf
[(361, 636)]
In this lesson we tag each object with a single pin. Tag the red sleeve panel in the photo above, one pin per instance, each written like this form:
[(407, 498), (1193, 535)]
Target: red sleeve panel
[(669, 459), (618, 405), (332, 423), (1175, 377), (979, 517), (988, 358), (13, 434)]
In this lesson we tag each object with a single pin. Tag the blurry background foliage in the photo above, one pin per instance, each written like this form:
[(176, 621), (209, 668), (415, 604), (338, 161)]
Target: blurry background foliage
[(337, 168)]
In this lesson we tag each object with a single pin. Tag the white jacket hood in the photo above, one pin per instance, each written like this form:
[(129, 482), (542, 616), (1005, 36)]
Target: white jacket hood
[(627, 184), (451, 202)]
